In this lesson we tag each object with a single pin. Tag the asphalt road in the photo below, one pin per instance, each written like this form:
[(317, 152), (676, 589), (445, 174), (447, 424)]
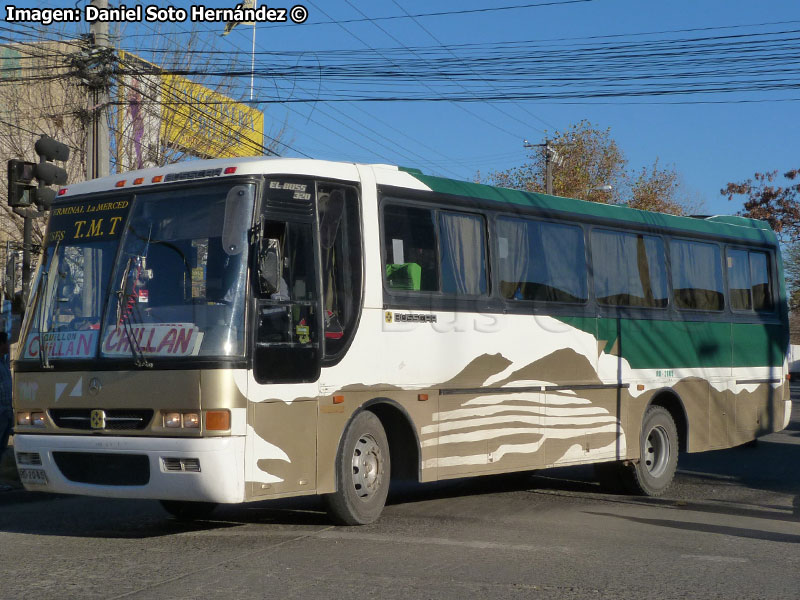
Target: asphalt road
[(729, 528)]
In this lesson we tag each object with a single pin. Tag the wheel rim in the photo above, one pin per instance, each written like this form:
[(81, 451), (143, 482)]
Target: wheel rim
[(367, 467), (656, 451)]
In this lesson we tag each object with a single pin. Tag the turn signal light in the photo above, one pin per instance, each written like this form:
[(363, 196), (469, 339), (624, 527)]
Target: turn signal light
[(218, 420)]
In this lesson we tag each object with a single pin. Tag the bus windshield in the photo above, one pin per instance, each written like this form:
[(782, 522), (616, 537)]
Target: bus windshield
[(160, 275)]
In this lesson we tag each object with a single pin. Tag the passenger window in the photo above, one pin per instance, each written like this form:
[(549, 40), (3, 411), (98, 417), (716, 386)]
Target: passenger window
[(760, 282), (410, 249), (541, 261), (697, 275), (739, 280), (629, 269), (463, 254)]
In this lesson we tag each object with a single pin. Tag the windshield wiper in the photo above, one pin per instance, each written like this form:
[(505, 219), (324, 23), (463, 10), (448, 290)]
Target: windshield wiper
[(123, 320)]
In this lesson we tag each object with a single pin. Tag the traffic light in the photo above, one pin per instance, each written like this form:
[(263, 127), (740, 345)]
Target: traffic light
[(49, 149), (21, 190), (47, 173)]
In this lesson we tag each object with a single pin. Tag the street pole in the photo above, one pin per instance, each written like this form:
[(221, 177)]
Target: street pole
[(97, 150), (548, 163), (548, 169), (27, 242)]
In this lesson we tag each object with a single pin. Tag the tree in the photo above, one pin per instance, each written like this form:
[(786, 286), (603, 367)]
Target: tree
[(656, 189), (586, 161), (779, 205), (589, 165), (791, 263)]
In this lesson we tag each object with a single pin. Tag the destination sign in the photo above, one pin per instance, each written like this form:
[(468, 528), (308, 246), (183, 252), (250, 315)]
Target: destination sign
[(88, 221)]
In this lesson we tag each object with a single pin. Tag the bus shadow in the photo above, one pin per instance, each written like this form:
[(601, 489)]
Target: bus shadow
[(85, 517), (741, 532)]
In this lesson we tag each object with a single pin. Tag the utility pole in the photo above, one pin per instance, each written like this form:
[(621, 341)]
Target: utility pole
[(97, 143), (548, 163)]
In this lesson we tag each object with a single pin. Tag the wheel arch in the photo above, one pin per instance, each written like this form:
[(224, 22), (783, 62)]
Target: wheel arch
[(400, 433), (670, 401)]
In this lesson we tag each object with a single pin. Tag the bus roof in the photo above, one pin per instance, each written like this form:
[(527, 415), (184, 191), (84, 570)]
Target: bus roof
[(720, 225), (404, 177)]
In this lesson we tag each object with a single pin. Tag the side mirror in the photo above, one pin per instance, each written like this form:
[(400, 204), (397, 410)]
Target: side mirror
[(269, 267)]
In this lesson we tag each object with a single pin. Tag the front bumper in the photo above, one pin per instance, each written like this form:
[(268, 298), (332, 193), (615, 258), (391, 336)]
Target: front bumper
[(220, 477)]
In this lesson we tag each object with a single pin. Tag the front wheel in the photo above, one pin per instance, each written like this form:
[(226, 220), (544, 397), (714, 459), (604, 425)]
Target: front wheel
[(363, 471)]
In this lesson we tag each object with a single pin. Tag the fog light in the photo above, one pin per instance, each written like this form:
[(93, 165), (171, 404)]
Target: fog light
[(218, 420), (191, 420), (172, 420), (37, 419), (23, 418)]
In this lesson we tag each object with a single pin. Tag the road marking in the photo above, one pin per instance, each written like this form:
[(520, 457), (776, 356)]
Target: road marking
[(716, 559), (338, 534), (474, 544)]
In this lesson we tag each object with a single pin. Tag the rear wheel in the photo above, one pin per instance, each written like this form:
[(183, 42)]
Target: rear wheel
[(363, 471), (658, 459), (188, 511)]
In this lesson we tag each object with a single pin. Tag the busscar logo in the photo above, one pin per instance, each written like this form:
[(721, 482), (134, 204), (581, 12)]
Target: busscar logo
[(414, 318), (388, 317)]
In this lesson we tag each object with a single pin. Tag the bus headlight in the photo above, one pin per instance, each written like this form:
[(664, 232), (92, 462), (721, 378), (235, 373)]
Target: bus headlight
[(23, 418), (172, 419), (191, 420), (37, 419)]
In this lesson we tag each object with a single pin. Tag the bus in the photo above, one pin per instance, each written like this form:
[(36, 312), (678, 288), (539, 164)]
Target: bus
[(237, 330)]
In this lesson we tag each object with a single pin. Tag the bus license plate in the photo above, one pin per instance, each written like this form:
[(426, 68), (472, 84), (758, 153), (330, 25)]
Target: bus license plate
[(33, 476)]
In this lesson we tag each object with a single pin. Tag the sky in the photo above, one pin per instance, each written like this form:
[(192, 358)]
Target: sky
[(709, 138)]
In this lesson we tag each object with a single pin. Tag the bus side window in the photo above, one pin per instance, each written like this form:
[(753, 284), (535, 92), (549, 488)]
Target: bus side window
[(739, 280), (541, 261), (696, 275), (760, 282), (410, 249)]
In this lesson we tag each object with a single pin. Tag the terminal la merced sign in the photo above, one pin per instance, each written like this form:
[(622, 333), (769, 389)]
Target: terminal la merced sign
[(167, 110)]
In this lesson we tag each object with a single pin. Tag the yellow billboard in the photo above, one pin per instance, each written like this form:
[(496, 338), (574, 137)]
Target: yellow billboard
[(207, 123), (160, 110)]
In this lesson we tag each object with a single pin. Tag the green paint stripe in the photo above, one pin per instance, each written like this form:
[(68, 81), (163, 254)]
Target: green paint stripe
[(652, 344)]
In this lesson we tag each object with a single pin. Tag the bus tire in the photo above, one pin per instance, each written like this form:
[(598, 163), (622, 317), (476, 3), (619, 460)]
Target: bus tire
[(363, 471), (188, 511), (658, 458)]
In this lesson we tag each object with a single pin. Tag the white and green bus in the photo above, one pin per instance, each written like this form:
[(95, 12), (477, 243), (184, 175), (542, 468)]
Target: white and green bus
[(237, 330)]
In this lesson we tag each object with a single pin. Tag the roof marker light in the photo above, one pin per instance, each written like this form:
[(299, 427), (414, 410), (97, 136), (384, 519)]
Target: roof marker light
[(62, 191), (138, 181), (120, 183), (229, 170), (157, 179)]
